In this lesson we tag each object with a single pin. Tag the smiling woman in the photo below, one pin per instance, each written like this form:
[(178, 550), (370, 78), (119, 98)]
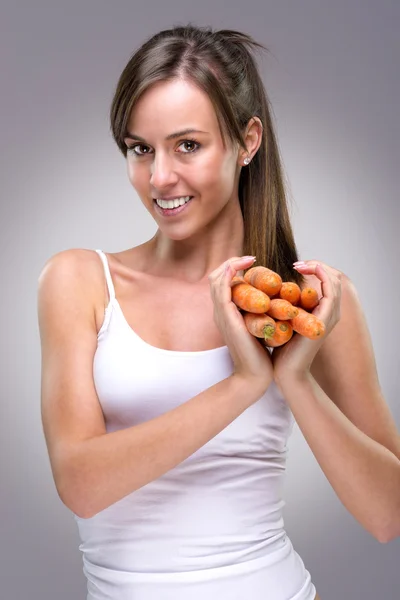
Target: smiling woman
[(194, 414), (165, 165), (166, 429)]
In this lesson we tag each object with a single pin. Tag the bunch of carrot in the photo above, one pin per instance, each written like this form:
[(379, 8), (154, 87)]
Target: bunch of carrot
[(273, 309)]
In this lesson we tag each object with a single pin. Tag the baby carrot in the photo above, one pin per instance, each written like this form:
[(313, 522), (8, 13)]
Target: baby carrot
[(309, 298), (308, 325), (249, 298), (264, 279), (261, 326), (283, 333), (282, 309), (291, 292)]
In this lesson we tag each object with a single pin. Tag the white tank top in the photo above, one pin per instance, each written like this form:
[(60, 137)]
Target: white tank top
[(212, 527)]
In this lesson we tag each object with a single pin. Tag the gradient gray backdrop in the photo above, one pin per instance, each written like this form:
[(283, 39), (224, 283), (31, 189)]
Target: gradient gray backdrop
[(333, 80)]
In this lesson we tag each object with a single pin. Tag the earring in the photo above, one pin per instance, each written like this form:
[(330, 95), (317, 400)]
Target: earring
[(246, 161)]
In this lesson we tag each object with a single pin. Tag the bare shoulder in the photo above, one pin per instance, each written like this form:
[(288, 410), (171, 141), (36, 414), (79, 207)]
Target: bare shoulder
[(80, 268), (74, 260)]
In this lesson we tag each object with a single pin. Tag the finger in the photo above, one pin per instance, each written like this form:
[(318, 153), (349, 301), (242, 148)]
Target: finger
[(331, 293), (318, 268), (310, 266), (330, 283), (238, 263), (220, 270), (326, 282), (231, 269), (219, 275)]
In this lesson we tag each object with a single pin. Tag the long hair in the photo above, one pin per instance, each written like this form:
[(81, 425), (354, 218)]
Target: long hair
[(221, 65)]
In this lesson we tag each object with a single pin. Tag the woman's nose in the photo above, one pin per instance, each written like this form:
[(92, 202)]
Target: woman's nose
[(162, 172)]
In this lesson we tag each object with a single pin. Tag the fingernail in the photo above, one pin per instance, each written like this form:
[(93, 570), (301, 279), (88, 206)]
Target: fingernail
[(248, 257), (301, 266), (299, 263)]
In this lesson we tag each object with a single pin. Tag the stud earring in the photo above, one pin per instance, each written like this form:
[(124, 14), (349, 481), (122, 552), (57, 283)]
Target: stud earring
[(246, 161)]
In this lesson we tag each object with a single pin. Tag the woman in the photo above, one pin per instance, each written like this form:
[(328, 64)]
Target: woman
[(165, 420)]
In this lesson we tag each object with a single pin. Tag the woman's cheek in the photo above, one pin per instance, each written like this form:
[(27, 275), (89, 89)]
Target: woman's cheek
[(133, 175), (207, 174)]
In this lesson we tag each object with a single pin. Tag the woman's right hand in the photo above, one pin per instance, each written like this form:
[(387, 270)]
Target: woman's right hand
[(251, 359)]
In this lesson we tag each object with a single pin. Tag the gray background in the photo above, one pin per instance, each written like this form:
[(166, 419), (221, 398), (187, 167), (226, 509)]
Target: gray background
[(333, 81)]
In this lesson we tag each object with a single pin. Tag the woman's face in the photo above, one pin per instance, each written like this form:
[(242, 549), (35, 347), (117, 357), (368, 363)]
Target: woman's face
[(190, 164)]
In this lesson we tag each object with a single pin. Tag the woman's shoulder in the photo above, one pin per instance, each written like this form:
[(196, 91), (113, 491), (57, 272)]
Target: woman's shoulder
[(82, 268), (88, 262), (72, 260)]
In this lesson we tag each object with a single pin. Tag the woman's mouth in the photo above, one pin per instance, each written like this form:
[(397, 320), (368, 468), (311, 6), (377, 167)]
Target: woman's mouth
[(170, 212)]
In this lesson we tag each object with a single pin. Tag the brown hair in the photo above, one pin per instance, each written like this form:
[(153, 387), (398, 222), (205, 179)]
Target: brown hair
[(220, 64)]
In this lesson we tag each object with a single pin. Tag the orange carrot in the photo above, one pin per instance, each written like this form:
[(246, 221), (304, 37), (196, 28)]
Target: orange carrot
[(309, 298), (283, 333), (282, 310), (264, 279), (308, 325), (249, 298), (291, 292), (261, 326)]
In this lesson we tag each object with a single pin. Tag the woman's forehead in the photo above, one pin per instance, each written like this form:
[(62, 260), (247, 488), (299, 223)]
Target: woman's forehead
[(172, 106)]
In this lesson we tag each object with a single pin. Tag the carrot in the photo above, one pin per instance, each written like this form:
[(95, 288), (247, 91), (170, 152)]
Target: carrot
[(264, 279), (261, 326), (249, 298), (283, 333), (291, 292), (282, 310), (308, 325), (309, 298)]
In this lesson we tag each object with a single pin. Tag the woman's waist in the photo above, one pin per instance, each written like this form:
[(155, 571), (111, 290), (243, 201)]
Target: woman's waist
[(279, 572), (119, 549)]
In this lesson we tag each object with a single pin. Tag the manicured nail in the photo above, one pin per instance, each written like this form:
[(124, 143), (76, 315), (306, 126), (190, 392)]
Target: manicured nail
[(300, 266), (248, 258), (299, 262)]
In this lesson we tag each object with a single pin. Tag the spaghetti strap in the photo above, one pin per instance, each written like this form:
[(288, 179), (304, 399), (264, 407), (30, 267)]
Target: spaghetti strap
[(110, 284)]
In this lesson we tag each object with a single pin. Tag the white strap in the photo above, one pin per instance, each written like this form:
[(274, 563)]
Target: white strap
[(110, 284)]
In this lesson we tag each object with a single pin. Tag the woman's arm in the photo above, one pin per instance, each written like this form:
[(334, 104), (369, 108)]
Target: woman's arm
[(104, 469), (364, 474)]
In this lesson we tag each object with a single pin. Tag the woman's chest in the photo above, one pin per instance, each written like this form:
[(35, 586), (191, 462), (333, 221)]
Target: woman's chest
[(172, 317)]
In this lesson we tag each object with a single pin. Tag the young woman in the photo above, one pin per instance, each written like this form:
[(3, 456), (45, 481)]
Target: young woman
[(165, 420)]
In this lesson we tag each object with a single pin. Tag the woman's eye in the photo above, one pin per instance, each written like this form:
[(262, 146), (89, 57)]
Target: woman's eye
[(191, 142), (132, 149)]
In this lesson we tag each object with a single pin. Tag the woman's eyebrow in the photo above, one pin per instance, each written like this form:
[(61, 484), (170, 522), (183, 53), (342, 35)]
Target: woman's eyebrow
[(171, 136)]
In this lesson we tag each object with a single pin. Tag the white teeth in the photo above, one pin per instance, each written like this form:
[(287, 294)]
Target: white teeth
[(173, 203)]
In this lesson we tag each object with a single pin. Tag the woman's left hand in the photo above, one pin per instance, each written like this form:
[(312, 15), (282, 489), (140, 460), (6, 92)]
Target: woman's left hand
[(294, 358)]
